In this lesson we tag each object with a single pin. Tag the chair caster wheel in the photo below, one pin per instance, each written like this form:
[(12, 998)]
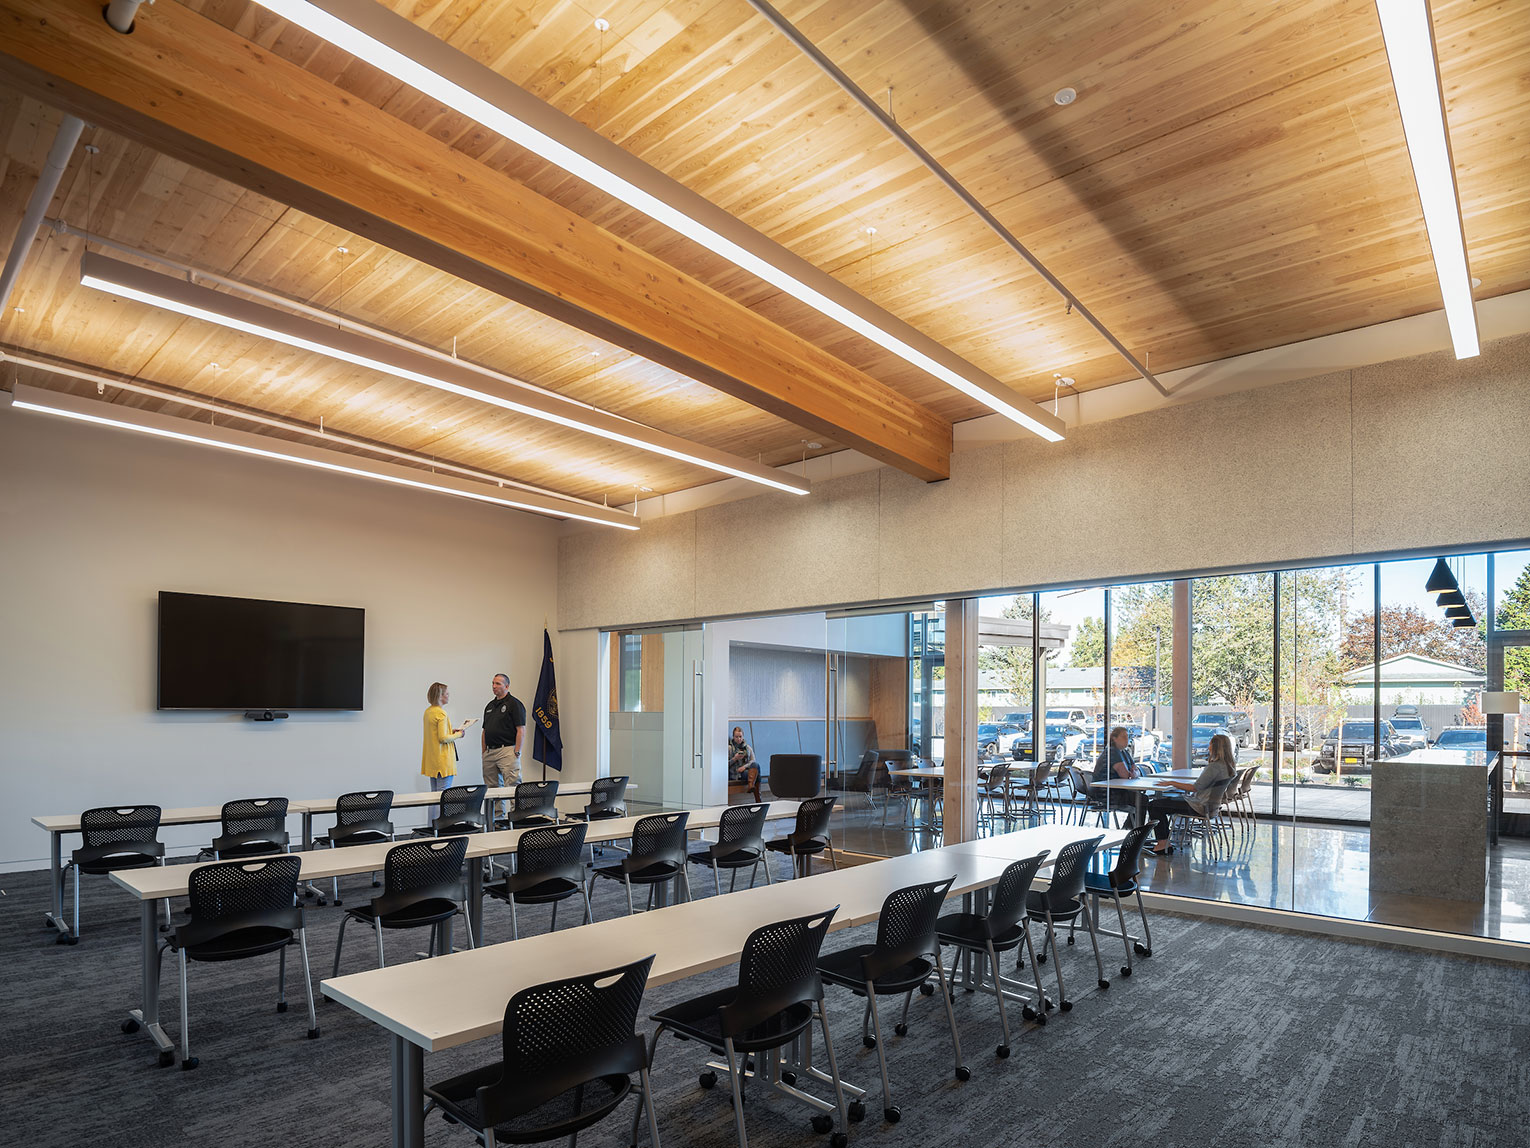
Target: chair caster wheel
[(963, 1072), (281, 1006), (1042, 1019), (901, 1029), (1002, 1052), (869, 1041), (822, 1124), (926, 989), (130, 1025), (1141, 950), (189, 1063), (1147, 952), (313, 1034), (1070, 940), (966, 990), (338, 902), (790, 1078), (377, 884), (856, 1111), (1066, 1006), (1029, 1013), (892, 1115), (839, 1140), (1041, 960), (708, 1080), (1126, 970), (1104, 983), (166, 1059), (67, 939)]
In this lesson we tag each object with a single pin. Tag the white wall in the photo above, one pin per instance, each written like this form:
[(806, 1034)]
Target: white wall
[(97, 521), (1415, 455)]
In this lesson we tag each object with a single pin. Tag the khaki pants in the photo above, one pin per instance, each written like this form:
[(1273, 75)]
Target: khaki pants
[(499, 763)]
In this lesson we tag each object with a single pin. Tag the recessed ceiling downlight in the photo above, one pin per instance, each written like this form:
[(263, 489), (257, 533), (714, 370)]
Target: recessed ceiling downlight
[(1064, 96)]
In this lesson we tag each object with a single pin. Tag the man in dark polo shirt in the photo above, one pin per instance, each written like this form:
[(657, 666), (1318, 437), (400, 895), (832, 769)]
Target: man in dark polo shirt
[(504, 729)]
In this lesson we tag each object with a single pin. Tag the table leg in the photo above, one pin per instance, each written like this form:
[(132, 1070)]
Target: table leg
[(56, 918), (967, 907), (408, 1094), (475, 899), (147, 1014)]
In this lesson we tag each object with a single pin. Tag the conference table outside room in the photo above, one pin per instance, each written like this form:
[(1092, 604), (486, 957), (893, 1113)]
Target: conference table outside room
[(57, 825), (154, 884), (460, 998)]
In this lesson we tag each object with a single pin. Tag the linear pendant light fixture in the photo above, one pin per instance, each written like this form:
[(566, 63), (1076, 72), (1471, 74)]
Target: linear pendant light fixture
[(127, 281), (260, 446), (403, 50), (1409, 36)]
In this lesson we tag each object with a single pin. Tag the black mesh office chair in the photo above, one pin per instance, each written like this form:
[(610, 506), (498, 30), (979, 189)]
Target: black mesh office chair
[(905, 954), (242, 909), (1004, 927), (460, 810), (422, 887), (657, 855), (251, 827), (778, 996), (361, 818), (115, 838), (1121, 882), (864, 780), (549, 869), (795, 776), (607, 800), (534, 803), (1063, 901), (570, 1049), (740, 845), (811, 835)]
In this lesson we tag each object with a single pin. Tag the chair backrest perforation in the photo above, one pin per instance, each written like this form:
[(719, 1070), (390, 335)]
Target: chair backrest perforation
[(777, 969), (551, 1026), (363, 806), (533, 798), (813, 817), (241, 888), (659, 837), (120, 825), (1069, 871), (254, 815), (742, 825), (1007, 907), (420, 867), (554, 850), (906, 929), (461, 801)]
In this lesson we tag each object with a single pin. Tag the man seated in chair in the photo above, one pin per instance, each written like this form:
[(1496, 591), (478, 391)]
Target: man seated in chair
[(1115, 761), (742, 770)]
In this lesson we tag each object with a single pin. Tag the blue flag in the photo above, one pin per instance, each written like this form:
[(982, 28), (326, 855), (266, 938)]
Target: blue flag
[(547, 743)]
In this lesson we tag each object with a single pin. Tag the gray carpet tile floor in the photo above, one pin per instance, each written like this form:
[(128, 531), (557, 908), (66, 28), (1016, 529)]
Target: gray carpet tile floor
[(1226, 1036)]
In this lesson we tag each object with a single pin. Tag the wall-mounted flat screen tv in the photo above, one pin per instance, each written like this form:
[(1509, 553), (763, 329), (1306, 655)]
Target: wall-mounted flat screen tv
[(219, 653)]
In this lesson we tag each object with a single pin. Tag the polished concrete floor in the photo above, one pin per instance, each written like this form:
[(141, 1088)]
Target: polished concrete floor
[(1323, 869)]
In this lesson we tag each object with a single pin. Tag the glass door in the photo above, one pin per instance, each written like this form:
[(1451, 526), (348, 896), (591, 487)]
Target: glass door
[(657, 683), (883, 671)]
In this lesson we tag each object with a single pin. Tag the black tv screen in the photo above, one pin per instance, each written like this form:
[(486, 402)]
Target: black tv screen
[(220, 653)]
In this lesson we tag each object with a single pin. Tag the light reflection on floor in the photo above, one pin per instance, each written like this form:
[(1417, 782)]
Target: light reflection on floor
[(1319, 869)]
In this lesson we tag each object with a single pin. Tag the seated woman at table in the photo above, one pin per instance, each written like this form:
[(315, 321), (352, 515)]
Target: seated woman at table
[(1221, 765), (1115, 761)]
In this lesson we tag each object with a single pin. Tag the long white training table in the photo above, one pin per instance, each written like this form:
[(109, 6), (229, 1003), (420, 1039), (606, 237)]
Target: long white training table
[(59, 824), (159, 882), (427, 1006)]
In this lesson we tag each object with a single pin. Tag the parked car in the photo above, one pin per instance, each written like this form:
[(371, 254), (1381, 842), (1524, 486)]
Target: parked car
[(1062, 740), (1077, 717), (987, 739), (1234, 723), (1020, 719), (1462, 737), (1143, 744), (1294, 730), (1358, 748), (1405, 711), (1414, 731)]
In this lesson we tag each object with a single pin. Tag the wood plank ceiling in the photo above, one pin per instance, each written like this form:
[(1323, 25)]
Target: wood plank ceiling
[(1231, 177)]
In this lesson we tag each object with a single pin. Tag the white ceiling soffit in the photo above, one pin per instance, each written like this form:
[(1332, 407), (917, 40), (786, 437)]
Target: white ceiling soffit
[(402, 49)]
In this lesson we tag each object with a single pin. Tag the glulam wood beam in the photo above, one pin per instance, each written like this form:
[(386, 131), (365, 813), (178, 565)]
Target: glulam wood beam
[(198, 92)]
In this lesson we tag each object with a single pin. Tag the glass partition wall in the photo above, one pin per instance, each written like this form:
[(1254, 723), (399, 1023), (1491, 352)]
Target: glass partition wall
[(1322, 677)]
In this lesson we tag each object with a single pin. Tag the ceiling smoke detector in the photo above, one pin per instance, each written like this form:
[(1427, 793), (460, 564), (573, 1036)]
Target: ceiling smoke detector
[(1064, 96)]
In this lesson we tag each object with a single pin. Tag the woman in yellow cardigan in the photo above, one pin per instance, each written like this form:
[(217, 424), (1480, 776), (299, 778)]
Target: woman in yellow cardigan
[(438, 760)]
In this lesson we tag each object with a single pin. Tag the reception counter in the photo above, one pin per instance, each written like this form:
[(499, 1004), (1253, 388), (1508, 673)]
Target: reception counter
[(1429, 821)]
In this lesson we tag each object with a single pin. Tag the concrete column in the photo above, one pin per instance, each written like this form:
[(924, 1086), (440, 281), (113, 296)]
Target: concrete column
[(960, 815), (1181, 674)]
